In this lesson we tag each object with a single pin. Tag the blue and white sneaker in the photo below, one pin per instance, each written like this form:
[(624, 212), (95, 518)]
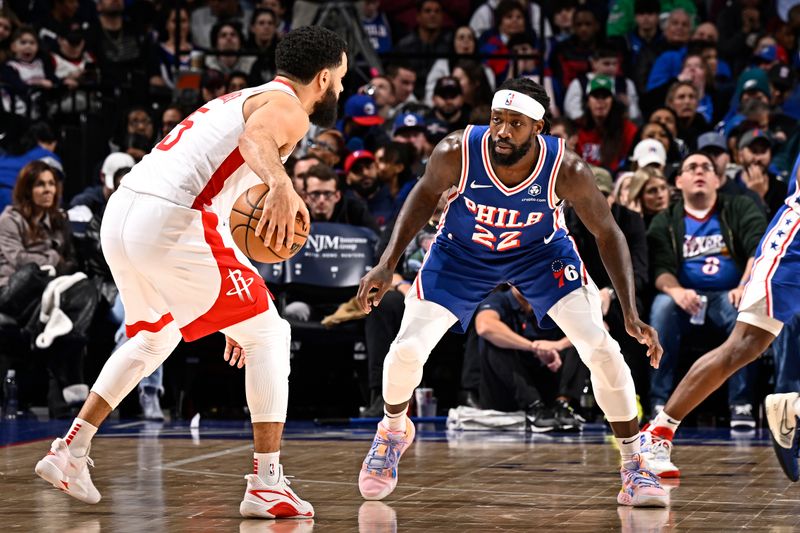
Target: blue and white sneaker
[(783, 422)]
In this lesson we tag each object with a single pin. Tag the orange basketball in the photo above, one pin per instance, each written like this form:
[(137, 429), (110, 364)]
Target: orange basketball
[(244, 218)]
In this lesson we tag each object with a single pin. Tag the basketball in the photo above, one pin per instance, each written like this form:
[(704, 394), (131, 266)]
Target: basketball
[(244, 218)]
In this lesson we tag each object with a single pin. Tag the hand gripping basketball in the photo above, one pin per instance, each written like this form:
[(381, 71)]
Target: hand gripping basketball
[(281, 206), (249, 216)]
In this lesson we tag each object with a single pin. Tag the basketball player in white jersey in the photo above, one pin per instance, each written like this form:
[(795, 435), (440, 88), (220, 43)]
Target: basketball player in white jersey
[(165, 236)]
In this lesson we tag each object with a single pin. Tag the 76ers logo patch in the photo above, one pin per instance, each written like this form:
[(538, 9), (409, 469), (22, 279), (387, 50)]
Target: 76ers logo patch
[(562, 271)]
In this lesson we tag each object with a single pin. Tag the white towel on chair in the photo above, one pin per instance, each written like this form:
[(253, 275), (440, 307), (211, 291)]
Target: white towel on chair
[(56, 322), (470, 419)]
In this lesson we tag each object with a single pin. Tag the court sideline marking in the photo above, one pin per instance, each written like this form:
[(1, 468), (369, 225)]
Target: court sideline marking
[(203, 457)]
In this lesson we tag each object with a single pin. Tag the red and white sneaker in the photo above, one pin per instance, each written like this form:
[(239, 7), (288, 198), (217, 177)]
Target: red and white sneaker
[(273, 501), (378, 476), (657, 451), (68, 473), (640, 486), (305, 525)]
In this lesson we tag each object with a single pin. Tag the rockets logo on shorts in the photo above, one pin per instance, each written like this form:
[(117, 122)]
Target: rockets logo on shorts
[(240, 285)]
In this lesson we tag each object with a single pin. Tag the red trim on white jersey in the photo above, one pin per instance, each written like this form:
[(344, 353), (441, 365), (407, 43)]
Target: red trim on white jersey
[(289, 85), (552, 199), (152, 327), (229, 308), (218, 178), (508, 191)]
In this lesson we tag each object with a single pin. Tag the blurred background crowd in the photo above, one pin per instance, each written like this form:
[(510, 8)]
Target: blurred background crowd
[(88, 87)]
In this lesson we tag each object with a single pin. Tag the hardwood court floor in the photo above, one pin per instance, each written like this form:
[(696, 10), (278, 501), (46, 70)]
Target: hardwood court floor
[(162, 479)]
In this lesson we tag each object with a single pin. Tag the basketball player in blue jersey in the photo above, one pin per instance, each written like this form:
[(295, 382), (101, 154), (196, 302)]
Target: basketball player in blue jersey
[(771, 298), (504, 223)]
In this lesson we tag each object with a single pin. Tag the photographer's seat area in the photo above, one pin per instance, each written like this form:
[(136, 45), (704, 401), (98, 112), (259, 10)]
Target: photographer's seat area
[(315, 293)]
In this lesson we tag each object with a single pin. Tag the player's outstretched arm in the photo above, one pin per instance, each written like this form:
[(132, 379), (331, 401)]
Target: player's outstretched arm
[(576, 184), (280, 122), (441, 173)]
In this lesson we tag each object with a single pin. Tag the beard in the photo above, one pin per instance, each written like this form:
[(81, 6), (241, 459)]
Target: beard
[(324, 112), (448, 112), (366, 187), (514, 156)]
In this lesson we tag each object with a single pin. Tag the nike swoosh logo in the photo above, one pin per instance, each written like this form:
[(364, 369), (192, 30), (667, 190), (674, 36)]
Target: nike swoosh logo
[(785, 429), (474, 185), (634, 439)]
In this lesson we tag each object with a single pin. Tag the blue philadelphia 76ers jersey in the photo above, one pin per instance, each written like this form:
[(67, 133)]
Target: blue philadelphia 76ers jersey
[(793, 195), (488, 219), (491, 234)]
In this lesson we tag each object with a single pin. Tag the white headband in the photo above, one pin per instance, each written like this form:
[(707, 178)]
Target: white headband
[(516, 101)]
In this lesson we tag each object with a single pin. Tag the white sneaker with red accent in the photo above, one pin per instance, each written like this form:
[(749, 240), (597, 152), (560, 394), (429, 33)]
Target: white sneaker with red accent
[(68, 473), (657, 451), (273, 501)]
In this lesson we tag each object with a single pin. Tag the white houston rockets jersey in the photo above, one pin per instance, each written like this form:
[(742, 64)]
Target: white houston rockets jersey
[(198, 163)]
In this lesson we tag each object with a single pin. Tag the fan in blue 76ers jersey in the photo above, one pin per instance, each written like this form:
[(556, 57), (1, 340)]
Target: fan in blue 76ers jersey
[(770, 299), (503, 223)]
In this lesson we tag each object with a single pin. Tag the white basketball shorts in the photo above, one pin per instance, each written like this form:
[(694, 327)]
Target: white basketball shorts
[(177, 263)]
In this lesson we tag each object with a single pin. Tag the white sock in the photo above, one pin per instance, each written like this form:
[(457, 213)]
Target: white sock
[(79, 437), (628, 447), (797, 406), (665, 421), (265, 466), (394, 421)]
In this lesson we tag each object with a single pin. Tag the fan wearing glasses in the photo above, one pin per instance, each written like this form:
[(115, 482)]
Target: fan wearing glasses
[(702, 245), (327, 147), (326, 203)]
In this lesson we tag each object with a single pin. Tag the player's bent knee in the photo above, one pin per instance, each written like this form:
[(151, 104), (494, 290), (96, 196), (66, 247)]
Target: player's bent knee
[(411, 351), (137, 358), (596, 347), (265, 335), (611, 378), (402, 370), (154, 347)]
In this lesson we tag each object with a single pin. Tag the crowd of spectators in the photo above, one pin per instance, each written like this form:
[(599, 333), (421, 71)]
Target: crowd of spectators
[(687, 111)]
